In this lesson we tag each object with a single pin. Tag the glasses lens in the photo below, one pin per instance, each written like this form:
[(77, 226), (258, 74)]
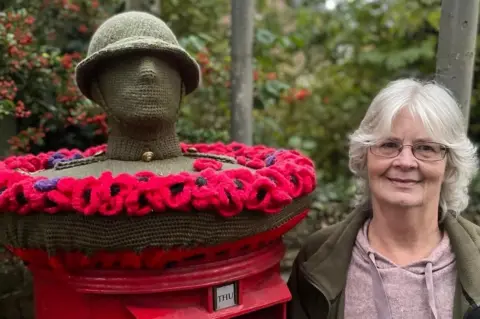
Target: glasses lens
[(429, 151), (387, 149)]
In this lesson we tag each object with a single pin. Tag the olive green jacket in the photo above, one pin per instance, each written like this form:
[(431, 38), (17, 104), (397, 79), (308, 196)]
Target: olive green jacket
[(319, 273)]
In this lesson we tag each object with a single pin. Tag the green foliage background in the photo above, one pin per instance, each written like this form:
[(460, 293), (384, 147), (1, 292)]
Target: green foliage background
[(316, 71)]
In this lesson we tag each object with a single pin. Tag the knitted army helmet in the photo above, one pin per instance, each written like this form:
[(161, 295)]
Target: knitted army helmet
[(132, 32)]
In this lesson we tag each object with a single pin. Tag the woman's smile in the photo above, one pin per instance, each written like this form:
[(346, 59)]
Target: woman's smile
[(403, 182)]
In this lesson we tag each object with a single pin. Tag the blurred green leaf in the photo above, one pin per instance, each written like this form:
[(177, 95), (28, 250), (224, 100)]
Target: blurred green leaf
[(434, 19), (265, 36)]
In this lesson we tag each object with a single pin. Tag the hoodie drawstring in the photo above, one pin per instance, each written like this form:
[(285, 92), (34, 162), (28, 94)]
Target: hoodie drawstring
[(431, 295), (380, 296)]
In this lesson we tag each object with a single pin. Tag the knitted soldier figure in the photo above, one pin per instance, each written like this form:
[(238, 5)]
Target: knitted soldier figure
[(146, 200)]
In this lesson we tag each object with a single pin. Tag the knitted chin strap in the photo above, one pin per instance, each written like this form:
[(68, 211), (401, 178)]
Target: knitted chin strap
[(98, 97)]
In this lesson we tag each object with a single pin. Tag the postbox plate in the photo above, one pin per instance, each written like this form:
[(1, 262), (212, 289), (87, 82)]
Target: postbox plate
[(225, 296)]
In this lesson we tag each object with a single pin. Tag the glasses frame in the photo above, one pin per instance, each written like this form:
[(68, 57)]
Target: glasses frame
[(399, 151)]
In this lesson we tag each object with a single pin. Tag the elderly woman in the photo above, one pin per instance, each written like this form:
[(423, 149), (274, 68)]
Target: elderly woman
[(404, 252)]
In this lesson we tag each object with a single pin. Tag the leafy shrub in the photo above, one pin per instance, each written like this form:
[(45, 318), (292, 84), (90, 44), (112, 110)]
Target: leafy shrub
[(40, 44)]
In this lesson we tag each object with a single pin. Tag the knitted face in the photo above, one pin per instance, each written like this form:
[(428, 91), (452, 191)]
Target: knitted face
[(140, 90)]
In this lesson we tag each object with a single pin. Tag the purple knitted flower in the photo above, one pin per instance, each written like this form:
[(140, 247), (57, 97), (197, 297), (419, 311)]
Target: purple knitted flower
[(271, 158), (57, 158), (53, 159), (269, 161), (45, 185)]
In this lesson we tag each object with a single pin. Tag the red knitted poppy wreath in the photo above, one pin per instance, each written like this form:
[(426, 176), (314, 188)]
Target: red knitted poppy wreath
[(145, 220)]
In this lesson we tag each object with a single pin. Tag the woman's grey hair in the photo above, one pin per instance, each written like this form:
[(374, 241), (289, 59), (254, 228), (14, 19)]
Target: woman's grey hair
[(443, 120)]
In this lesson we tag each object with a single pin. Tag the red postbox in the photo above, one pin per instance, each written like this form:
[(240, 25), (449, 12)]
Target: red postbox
[(145, 227), (247, 286)]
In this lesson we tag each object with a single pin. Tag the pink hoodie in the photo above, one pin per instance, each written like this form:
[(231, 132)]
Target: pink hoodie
[(378, 289)]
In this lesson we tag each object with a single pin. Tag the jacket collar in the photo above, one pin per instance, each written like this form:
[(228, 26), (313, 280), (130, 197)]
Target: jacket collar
[(465, 240), (328, 266)]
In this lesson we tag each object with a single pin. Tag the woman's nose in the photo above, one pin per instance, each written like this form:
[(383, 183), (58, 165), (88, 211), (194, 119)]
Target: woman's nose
[(406, 157)]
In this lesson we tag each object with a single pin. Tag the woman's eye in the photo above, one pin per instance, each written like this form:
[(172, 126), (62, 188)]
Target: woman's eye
[(389, 145), (426, 148)]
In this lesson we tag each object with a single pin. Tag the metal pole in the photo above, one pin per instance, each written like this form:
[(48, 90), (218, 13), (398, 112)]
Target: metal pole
[(131, 5), (157, 7), (242, 16), (456, 49)]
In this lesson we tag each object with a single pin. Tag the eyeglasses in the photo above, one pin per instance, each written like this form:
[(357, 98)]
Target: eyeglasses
[(424, 151)]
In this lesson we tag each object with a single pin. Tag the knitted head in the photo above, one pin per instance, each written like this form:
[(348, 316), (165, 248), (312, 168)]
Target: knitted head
[(136, 70), (139, 91)]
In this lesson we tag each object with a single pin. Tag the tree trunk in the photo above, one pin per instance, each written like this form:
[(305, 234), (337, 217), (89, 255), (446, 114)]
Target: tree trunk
[(8, 128), (242, 15), (456, 49)]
